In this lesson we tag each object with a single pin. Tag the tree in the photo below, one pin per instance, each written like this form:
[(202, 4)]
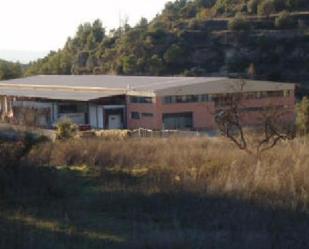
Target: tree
[(91, 42), (252, 6), (174, 54), (279, 5), (129, 64), (91, 63), (265, 8), (98, 31), (205, 3), (155, 65), (9, 70), (143, 23), (239, 23), (229, 120)]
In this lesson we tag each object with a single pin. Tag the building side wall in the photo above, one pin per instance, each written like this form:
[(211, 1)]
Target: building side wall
[(203, 113), (285, 109), (203, 117), (143, 122)]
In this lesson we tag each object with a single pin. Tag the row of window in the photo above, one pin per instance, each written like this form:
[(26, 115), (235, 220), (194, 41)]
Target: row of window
[(208, 97), (141, 100), (138, 115), (264, 108), (170, 120), (222, 97)]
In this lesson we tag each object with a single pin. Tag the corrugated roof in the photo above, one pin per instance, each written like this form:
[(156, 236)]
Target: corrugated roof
[(88, 87), (139, 83), (226, 86), (57, 94)]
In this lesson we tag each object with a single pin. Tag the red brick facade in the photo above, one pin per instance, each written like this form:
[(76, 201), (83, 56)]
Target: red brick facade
[(203, 113)]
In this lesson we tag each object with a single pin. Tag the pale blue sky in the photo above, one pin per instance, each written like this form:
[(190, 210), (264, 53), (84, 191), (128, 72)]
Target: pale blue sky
[(43, 25)]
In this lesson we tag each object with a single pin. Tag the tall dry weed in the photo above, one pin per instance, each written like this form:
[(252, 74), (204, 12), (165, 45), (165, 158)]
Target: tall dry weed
[(202, 165)]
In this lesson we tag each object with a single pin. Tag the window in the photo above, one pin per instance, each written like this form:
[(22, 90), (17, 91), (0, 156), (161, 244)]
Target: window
[(68, 108), (172, 121), (252, 109), (287, 93), (222, 99), (205, 98), (264, 108), (135, 115), (147, 115), (169, 100), (141, 100), (252, 95), (181, 99), (189, 99), (275, 94)]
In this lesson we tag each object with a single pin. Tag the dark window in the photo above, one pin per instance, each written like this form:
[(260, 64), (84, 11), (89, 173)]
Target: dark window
[(205, 98), (135, 115), (187, 99), (68, 108), (181, 99), (275, 94), (264, 108), (172, 121), (141, 100), (169, 100), (252, 109), (147, 115), (251, 95)]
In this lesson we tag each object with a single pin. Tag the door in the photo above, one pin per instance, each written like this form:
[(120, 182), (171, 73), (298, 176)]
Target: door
[(178, 121), (100, 118), (114, 121)]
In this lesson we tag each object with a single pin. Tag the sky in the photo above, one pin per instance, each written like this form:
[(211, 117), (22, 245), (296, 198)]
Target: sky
[(31, 28)]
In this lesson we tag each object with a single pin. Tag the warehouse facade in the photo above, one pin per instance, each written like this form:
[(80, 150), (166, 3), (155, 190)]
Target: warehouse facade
[(119, 102)]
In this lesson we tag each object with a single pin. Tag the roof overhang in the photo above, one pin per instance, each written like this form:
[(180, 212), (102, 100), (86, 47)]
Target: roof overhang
[(58, 94)]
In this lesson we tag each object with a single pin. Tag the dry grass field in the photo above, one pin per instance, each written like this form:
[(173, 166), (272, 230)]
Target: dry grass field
[(153, 193)]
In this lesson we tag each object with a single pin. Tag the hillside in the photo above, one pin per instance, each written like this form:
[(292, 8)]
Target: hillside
[(267, 38)]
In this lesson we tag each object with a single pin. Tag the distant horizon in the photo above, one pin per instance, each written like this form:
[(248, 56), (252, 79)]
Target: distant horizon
[(33, 28), (21, 56)]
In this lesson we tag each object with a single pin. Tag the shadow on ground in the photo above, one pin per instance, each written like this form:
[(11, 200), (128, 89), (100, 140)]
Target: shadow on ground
[(73, 209)]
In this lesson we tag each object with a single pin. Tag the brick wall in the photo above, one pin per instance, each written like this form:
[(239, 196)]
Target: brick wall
[(203, 118)]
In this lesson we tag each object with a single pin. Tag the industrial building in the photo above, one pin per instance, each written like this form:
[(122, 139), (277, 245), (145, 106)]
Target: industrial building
[(130, 102)]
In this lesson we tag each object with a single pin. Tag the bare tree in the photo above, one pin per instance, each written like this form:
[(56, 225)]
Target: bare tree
[(270, 130)]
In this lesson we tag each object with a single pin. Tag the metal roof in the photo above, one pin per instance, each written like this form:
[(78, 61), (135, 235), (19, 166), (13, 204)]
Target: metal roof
[(89, 87), (57, 94), (226, 86), (138, 83)]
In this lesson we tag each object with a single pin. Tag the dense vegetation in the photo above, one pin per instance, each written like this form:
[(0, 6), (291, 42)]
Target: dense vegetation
[(9, 70), (199, 37), (152, 193)]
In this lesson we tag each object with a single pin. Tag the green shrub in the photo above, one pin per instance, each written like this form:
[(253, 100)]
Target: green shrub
[(66, 129), (265, 8), (238, 23), (283, 20)]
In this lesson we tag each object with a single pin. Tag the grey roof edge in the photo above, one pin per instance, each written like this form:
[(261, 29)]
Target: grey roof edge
[(229, 85)]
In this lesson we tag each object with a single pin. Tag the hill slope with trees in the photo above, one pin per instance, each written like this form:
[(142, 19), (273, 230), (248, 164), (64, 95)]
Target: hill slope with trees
[(264, 39)]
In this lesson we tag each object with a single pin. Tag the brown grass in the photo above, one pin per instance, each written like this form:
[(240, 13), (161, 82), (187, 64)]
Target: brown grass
[(199, 165), (153, 193)]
